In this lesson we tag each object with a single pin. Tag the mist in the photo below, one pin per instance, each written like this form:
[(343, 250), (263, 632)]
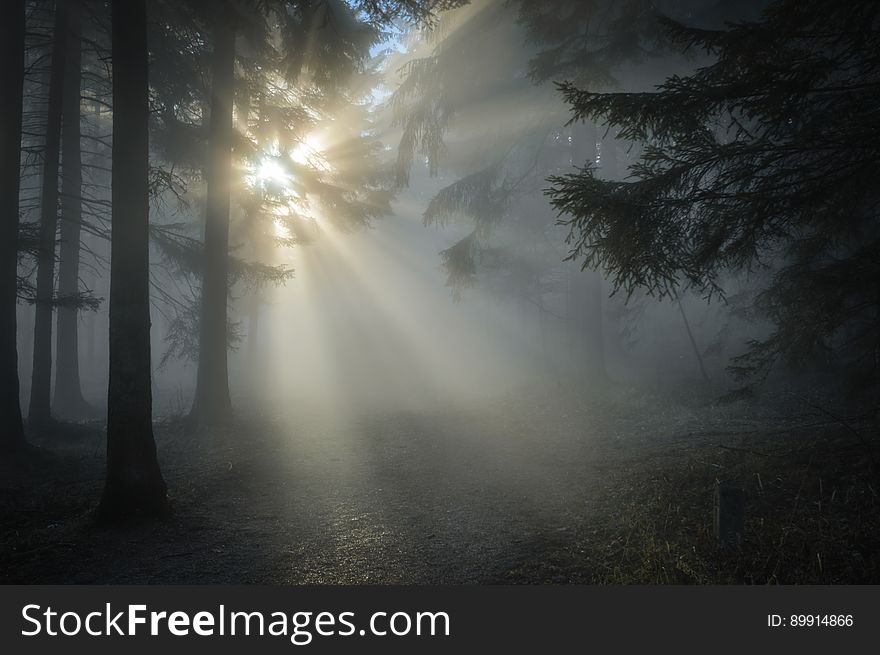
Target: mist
[(502, 291)]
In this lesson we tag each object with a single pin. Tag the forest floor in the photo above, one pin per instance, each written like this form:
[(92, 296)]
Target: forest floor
[(535, 487)]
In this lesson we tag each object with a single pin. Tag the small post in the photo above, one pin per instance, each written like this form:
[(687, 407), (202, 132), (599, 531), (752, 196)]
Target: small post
[(730, 502)]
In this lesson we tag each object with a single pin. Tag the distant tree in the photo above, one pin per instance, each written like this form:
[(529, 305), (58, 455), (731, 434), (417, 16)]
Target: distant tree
[(504, 169), (68, 400), (134, 484), (765, 159), (212, 402), (12, 43), (39, 409), (589, 42)]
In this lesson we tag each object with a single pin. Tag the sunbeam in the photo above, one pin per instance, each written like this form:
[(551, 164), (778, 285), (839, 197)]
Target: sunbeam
[(439, 291)]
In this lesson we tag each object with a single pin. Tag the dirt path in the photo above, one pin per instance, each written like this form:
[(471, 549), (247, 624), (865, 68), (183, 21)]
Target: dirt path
[(456, 494)]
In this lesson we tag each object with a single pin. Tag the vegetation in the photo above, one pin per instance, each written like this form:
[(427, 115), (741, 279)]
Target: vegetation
[(759, 162), (657, 227)]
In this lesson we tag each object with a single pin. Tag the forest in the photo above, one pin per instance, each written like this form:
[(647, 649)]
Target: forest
[(439, 291)]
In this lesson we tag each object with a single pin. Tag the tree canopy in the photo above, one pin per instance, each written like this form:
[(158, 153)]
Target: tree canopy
[(763, 162)]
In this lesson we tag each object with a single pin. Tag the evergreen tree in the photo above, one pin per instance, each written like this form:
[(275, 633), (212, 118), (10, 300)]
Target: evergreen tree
[(39, 410), (763, 159), (134, 484), (12, 43), (514, 240), (212, 401), (68, 400), (322, 43)]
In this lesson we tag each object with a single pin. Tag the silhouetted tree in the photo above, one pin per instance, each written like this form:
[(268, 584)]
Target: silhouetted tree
[(212, 401), (39, 409), (765, 158), (321, 41), (589, 39), (68, 400), (12, 33), (134, 484)]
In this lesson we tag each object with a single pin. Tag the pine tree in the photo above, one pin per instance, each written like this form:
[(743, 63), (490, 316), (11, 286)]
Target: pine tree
[(134, 484), (68, 400), (39, 410), (322, 42), (765, 158), (212, 402), (460, 76), (12, 33)]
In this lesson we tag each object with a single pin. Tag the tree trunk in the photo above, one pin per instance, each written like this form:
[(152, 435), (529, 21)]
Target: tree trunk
[(39, 411), (134, 484), (68, 400), (12, 28), (212, 403)]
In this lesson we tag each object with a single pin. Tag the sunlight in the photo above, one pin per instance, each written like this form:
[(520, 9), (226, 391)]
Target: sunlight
[(418, 293), (280, 229), (370, 289), (271, 171), (309, 153)]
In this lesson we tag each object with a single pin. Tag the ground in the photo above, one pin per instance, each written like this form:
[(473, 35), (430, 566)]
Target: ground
[(537, 486)]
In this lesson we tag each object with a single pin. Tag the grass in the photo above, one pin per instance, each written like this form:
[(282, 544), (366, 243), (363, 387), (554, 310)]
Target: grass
[(811, 513)]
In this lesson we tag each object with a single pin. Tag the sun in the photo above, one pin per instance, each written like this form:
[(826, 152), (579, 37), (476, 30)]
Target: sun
[(275, 170), (270, 171)]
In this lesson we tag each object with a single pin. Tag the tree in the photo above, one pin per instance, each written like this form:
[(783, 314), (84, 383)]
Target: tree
[(321, 42), (134, 484), (212, 403), (588, 42), (504, 170), (39, 410), (68, 400), (12, 31), (765, 160)]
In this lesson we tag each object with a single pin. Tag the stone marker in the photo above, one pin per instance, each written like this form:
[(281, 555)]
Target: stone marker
[(730, 503)]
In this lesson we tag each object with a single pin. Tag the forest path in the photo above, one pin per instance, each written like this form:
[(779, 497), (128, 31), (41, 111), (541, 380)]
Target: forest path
[(462, 492), (451, 495), (456, 493)]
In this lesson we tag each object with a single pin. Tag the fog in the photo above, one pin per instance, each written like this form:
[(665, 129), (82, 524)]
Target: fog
[(490, 291), (371, 317)]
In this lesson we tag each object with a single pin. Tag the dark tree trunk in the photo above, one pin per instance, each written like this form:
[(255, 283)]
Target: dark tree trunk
[(212, 403), (39, 411), (25, 344), (12, 27), (134, 483), (68, 400)]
